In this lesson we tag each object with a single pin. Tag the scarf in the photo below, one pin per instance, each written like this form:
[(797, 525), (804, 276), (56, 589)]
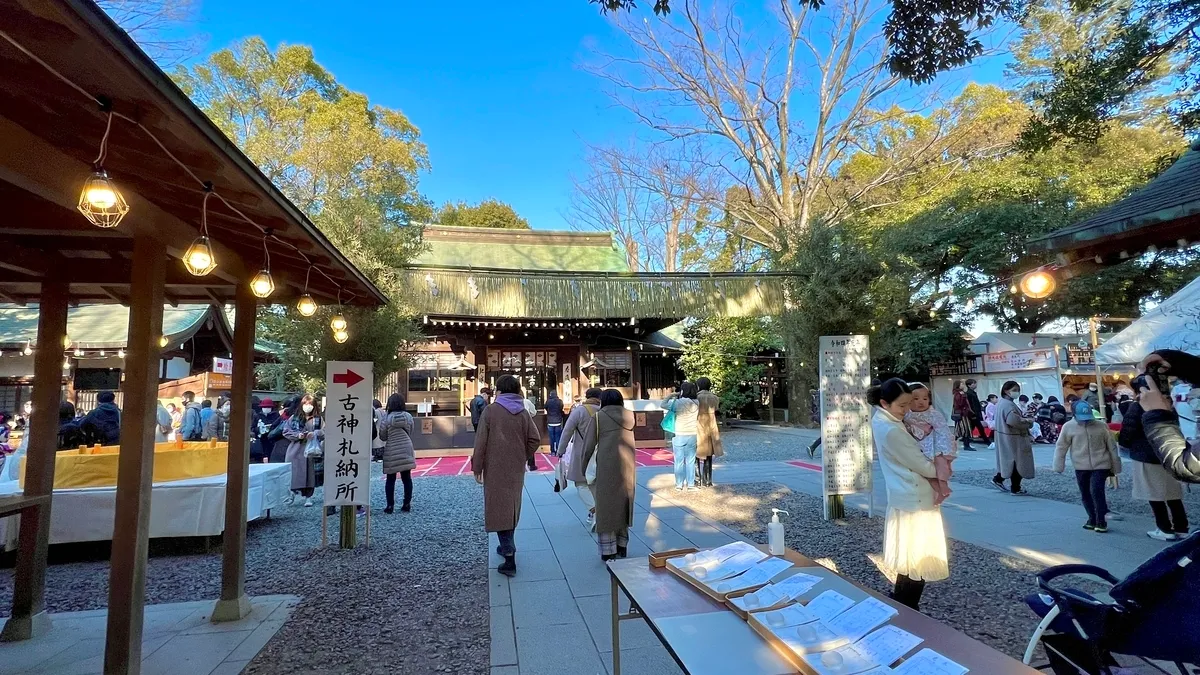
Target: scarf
[(513, 403)]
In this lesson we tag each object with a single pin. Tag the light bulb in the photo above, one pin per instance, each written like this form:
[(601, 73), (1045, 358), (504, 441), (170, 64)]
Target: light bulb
[(1038, 284), (628, 348), (933, 313), (28, 349), (66, 363), (78, 352), (101, 353), (306, 305), (199, 259), (562, 337), (491, 336), (340, 336), (337, 322), (899, 322), (262, 285), (162, 341), (1013, 289), (66, 341), (120, 353), (101, 202)]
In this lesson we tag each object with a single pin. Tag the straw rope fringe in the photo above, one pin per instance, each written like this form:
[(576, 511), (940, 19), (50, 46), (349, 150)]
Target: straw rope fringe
[(532, 296)]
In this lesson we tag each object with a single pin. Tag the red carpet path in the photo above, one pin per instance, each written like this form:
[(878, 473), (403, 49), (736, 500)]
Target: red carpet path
[(461, 466)]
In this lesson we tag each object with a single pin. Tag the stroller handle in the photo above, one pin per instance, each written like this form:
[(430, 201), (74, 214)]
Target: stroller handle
[(1051, 573)]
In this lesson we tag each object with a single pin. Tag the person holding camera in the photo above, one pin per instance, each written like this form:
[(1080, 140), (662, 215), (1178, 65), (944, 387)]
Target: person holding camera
[(1160, 421)]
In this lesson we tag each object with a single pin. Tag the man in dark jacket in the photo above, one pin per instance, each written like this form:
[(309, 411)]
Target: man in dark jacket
[(1160, 420), (103, 424), (478, 404), (554, 420), (976, 410)]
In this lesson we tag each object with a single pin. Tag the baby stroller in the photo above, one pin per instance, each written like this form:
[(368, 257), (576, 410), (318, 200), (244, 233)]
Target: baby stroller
[(1154, 613)]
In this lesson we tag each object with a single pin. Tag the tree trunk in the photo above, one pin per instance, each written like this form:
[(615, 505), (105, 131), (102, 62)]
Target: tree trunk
[(799, 410)]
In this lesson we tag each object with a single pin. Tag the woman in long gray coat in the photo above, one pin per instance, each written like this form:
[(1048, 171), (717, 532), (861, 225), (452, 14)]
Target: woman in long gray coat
[(1014, 445), (505, 443), (395, 425), (303, 425), (616, 474), (579, 432)]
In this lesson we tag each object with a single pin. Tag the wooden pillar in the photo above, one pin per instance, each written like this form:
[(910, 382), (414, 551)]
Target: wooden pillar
[(29, 617), (135, 469), (234, 604)]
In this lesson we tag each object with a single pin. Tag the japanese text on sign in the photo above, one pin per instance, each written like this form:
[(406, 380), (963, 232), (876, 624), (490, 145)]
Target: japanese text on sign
[(348, 420), (846, 447)]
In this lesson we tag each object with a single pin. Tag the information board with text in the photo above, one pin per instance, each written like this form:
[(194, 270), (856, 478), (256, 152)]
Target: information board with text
[(846, 444)]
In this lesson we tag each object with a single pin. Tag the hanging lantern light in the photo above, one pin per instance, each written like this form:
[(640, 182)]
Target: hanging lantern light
[(66, 363), (78, 352), (66, 341), (900, 322), (28, 349), (162, 342), (199, 259), (120, 353), (337, 323), (1038, 284), (340, 336), (262, 285), (1013, 289), (100, 201), (306, 305)]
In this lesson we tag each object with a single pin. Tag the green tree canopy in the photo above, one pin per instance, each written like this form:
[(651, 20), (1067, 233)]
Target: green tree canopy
[(351, 166), (487, 213), (717, 348)]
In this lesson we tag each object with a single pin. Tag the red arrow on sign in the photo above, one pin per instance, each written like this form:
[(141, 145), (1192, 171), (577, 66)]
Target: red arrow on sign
[(348, 378)]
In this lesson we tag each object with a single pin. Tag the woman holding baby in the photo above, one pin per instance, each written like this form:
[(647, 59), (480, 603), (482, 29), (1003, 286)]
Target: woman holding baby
[(915, 539)]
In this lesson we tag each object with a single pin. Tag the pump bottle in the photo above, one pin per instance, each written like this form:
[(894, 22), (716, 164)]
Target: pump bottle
[(775, 543)]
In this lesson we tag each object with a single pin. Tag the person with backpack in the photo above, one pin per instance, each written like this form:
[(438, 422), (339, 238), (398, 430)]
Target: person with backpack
[(398, 456), (103, 424), (192, 426)]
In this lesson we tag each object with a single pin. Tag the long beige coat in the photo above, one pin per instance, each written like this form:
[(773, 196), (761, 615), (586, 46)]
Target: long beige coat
[(504, 443), (580, 427), (616, 469), (708, 436), (1013, 442)]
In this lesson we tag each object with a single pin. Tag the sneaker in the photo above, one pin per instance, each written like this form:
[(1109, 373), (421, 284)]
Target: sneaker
[(308, 502), (999, 485), (291, 499), (679, 488), (1113, 515), (1089, 526), (693, 488), (1162, 536), (1022, 492), (1101, 529)]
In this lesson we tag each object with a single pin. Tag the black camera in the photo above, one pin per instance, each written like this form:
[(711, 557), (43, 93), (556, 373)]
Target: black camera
[(1152, 379)]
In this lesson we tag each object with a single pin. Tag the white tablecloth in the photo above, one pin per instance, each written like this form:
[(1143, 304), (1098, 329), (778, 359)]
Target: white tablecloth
[(182, 508)]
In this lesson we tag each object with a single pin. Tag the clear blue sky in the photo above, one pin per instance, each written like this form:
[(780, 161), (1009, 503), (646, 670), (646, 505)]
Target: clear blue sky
[(496, 87)]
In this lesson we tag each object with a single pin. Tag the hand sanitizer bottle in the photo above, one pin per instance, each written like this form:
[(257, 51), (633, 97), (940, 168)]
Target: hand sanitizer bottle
[(775, 543)]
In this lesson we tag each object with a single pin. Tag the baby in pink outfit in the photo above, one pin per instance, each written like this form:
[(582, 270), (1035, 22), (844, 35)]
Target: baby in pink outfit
[(932, 432)]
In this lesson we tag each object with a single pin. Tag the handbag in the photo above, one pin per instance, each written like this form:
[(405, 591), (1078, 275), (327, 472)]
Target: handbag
[(668, 420), (313, 447)]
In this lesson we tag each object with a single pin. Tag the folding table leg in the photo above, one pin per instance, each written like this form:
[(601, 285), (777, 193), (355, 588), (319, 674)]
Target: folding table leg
[(616, 626)]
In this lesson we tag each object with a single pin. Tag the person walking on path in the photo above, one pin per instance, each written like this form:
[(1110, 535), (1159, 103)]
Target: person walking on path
[(579, 433), (192, 424), (377, 415), (708, 434), (914, 544), (504, 445), (683, 445), (1094, 456), (216, 428), (963, 415), (303, 429), (1014, 445), (478, 403), (395, 428), (616, 475), (554, 420), (1151, 482), (1092, 396), (976, 409)]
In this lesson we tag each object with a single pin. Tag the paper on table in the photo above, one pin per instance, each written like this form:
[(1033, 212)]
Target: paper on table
[(810, 637), (792, 615), (829, 604), (929, 662), (798, 584), (843, 661), (740, 562), (862, 619), (881, 670), (886, 645), (767, 596), (717, 555), (758, 575)]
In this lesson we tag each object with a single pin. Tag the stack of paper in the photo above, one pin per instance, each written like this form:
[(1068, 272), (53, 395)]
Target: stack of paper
[(881, 648), (929, 662), (758, 575), (829, 604), (777, 593), (861, 619), (792, 615)]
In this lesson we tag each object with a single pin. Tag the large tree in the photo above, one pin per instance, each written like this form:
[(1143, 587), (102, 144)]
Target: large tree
[(351, 166), (158, 26), (487, 213)]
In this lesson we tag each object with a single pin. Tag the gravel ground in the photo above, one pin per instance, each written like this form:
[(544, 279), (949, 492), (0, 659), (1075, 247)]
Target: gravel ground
[(415, 603), (1062, 487), (759, 444), (983, 596)]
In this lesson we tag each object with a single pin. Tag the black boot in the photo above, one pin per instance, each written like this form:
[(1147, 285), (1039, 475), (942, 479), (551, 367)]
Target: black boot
[(509, 567), (607, 557), (406, 507), (622, 552)]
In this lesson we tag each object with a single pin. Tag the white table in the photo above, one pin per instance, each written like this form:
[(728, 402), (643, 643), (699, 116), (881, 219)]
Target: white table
[(183, 508)]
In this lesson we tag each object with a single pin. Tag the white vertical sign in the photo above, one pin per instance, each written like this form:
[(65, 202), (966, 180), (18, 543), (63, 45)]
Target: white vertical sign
[(349, 387), (846, 442)]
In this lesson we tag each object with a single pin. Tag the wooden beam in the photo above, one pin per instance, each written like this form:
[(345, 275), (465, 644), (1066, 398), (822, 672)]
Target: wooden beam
[(234, 604), (131, 523), (120, 298), (29, 617)]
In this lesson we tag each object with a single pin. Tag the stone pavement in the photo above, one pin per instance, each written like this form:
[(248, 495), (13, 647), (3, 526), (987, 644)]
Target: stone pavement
[(553, 617)]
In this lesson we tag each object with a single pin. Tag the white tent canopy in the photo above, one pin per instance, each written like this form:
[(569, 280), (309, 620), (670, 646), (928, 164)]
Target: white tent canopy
[(1174, 324)]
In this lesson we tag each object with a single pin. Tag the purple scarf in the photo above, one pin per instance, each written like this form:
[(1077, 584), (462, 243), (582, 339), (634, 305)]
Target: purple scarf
[(513, 403)]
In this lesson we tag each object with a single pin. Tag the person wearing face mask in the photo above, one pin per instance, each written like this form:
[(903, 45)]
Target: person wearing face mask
[(303, 425), (915, 539), (217, 426), (265, 418), (1014, 445)]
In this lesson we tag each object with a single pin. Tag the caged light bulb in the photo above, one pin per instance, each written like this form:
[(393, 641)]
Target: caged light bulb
[(337, 322), (306, 305)]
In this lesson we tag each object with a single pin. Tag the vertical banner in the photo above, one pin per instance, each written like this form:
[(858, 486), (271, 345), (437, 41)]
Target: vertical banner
[(349, 387), (846, 442)]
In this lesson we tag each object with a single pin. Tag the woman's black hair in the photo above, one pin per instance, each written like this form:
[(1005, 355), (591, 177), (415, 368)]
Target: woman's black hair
[(888, 391), (1052, 399), (508, 384), (1023, 398), (395, 403), (916, 385), (593, 392), (688, 390), (1009, 384), (992, 396), (66, 411), (611, 397), (704, 384)]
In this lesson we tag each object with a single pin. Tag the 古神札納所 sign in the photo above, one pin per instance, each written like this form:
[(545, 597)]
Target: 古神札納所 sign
[(349, 390)]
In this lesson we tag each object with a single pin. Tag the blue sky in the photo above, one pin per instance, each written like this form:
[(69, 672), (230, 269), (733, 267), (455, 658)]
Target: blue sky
[(496, 87)]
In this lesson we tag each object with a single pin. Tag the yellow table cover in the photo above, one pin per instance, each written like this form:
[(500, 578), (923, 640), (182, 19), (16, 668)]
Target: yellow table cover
[(99, 469)]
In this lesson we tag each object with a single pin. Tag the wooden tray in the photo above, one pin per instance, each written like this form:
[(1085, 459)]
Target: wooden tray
[(780, 648), (659, 560), (719, 597), (745, 615)]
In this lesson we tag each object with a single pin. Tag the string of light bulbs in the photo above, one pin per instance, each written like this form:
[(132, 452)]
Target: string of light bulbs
[(102, 203)]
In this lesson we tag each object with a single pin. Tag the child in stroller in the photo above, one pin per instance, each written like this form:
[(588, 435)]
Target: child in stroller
[(1151, 615)]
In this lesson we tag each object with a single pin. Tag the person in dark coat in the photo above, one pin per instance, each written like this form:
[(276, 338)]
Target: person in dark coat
[(103, 424), (275, 440), (265, 419), (70, 436), (1151, 481), (554, 420), (1161, 421), (505, 443), (478, 404), (976, 409), (616, 474), (395, 429)]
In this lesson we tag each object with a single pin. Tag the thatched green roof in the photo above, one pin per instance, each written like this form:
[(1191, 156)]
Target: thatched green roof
[(533, 250), (505, 294)]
